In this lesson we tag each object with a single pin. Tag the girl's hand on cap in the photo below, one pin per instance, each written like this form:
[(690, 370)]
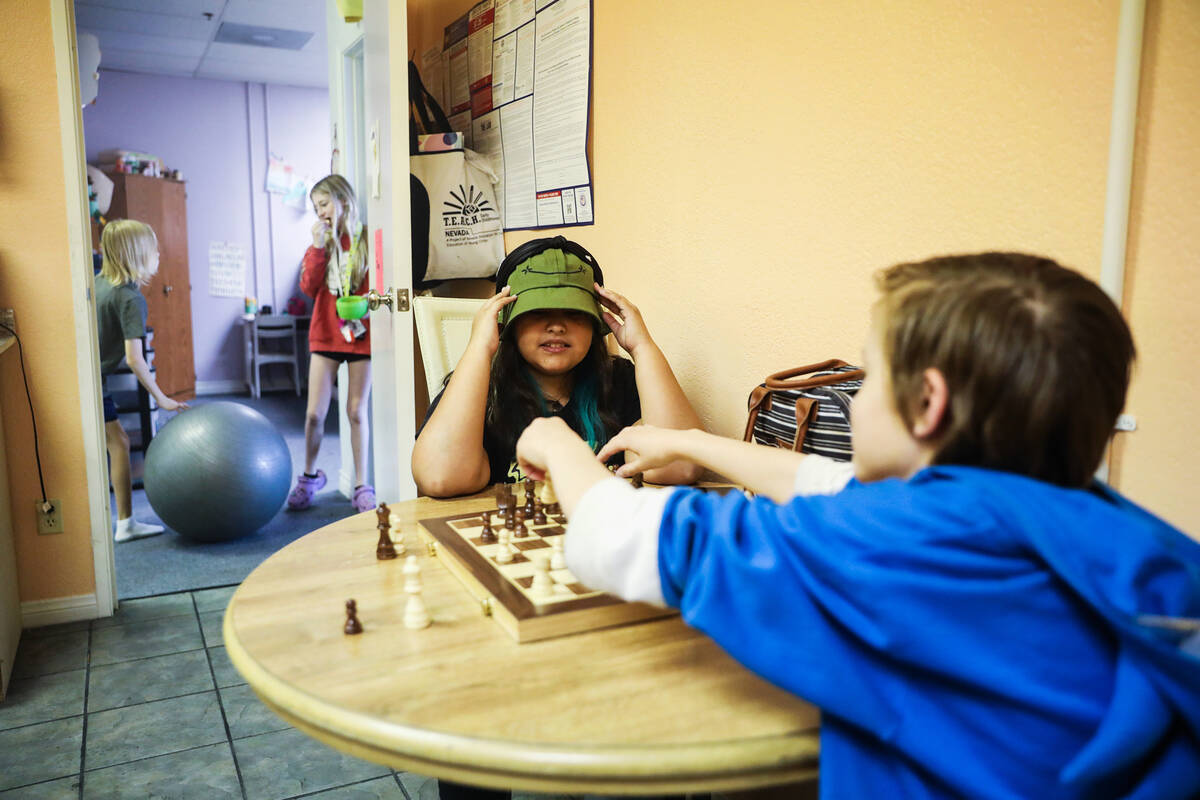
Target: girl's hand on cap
[(485, 328), (624, 318)]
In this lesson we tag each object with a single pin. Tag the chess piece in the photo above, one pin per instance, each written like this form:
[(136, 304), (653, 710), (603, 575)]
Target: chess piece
[(558, 558), (543, 583), (352, 624), (519, 529), (487, 535), (539, 514), (529, 501), (385, 549), (383, 514), (416, 616), (504, 554), (546, 495), (503, 499), (637, 481)]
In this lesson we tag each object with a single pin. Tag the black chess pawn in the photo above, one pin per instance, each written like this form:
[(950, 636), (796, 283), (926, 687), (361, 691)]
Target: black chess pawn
[(519, 532), (637, 481), (385, 549), (352, 624), (529, 498), (539, 514), (487, 535)]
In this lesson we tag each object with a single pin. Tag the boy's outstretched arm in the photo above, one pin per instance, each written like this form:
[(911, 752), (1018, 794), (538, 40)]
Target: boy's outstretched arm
[(549, 446), (769, 471)]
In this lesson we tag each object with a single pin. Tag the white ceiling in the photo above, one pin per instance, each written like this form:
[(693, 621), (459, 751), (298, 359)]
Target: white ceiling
[(174, 37)]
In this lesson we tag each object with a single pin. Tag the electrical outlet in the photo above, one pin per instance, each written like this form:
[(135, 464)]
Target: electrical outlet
[(8, 317), (49, 516)]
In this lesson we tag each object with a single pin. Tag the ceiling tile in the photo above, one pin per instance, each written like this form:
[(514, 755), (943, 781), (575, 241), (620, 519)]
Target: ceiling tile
[(147, 24), (152, 63), (136, 42), (180, 8)]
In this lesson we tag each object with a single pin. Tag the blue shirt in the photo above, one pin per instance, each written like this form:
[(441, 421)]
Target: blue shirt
[(965, 632)]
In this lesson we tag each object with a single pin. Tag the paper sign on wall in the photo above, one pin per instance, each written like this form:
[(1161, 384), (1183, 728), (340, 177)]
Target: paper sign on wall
[(226, 269), (379, 260)]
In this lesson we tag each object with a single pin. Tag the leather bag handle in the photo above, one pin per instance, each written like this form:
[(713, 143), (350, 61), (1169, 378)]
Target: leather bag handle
[(787, 379)]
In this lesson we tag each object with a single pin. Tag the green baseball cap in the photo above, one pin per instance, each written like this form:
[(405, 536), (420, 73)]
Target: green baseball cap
[(552, 278)]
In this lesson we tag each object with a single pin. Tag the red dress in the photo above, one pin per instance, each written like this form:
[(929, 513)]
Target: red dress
[(324, 331)]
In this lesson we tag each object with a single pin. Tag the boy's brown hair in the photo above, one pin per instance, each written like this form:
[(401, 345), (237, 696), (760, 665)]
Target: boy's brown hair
[(1036, 359)]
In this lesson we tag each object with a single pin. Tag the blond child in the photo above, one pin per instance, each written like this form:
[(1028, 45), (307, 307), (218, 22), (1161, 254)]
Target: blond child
[(974, 613), (334, 266), (130, 253)]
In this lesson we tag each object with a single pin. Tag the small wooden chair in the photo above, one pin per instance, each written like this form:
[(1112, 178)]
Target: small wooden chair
[(280, 328)]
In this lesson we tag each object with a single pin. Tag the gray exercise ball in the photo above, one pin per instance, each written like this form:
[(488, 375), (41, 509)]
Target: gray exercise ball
[(217, 471)]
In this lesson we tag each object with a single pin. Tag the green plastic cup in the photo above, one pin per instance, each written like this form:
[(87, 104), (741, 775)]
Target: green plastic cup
[(353, 306)]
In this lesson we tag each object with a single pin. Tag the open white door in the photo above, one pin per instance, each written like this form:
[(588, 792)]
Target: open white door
[(369, 119)]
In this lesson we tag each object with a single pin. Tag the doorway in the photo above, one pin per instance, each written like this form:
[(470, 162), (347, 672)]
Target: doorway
[(262, 212)]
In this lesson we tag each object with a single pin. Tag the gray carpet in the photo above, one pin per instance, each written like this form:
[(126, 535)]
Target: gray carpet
[(170, 563)]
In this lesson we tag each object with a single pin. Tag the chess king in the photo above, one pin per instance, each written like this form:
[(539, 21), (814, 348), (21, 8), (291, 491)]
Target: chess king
[(538, 349)]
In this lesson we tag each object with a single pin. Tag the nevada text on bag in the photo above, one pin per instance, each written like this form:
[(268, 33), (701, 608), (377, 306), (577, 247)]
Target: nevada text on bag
[(457, 231)]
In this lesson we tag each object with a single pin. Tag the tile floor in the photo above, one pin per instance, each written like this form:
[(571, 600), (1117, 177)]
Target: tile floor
[(146, 704)]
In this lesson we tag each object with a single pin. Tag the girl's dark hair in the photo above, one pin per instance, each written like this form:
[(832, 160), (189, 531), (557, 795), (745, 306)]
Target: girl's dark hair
[(514, 398)]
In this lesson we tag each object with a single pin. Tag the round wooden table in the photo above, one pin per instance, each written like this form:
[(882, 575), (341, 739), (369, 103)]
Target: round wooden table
[(648, 708)]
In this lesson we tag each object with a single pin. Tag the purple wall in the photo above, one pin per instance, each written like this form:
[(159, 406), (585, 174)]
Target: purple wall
[(219, 134)]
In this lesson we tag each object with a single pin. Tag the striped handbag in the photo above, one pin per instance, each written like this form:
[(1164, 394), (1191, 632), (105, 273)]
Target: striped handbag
[(806, 409)]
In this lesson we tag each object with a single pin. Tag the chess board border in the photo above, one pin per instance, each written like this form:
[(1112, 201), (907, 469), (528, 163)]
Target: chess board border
[(496, 584), (524, 620)]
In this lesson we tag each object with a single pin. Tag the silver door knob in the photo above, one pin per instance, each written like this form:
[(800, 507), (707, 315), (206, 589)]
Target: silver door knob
[(395, 301)]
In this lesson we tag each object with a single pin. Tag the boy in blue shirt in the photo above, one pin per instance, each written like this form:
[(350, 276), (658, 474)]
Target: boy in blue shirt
[(974, 614)]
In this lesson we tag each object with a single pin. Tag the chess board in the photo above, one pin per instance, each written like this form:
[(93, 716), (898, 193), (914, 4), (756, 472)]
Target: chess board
[(504, 589)]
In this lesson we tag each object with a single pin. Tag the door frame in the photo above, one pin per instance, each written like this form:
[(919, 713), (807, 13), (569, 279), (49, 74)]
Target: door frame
[(66, 66)]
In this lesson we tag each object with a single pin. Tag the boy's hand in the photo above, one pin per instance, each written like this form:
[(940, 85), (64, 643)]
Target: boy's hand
[(538, 440), (485, 329), (625, 320), (646, 447)]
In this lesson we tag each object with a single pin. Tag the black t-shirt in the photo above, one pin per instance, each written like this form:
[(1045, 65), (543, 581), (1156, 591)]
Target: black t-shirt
[(120, 315), (502, 460)]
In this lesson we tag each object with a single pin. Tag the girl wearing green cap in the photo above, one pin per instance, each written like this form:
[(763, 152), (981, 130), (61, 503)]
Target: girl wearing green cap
[(537, 349)]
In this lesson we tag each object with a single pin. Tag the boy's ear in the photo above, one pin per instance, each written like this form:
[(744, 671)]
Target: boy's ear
[(935, 397)]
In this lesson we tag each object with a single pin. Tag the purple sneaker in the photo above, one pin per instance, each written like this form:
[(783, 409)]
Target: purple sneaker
[(364, 498), (306, 488)]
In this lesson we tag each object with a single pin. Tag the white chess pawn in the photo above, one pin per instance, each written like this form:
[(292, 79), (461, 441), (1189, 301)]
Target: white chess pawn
[(543, 584), (504, 552), (546, 493), (416, 616), (558, 557), (397, 535)]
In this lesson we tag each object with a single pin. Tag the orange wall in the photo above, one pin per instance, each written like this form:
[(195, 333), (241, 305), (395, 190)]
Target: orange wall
[(1160, 463), (754, 164), (35, 280)]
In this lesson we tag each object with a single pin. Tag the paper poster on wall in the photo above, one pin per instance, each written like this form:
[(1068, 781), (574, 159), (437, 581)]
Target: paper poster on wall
[(479, 56), (226, 269), (279, 175), (527, 107)]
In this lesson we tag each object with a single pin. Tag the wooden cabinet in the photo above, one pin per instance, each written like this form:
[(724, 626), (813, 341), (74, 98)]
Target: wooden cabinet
[(162, 204)]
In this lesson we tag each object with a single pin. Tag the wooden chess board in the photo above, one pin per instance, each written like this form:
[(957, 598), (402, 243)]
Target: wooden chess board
[(504, 589)]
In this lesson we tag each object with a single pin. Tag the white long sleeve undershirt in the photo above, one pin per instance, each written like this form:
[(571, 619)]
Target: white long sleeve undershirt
[(612, 539)]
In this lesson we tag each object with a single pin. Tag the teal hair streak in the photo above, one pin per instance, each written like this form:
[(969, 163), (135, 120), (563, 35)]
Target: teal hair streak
[(584, 395)]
